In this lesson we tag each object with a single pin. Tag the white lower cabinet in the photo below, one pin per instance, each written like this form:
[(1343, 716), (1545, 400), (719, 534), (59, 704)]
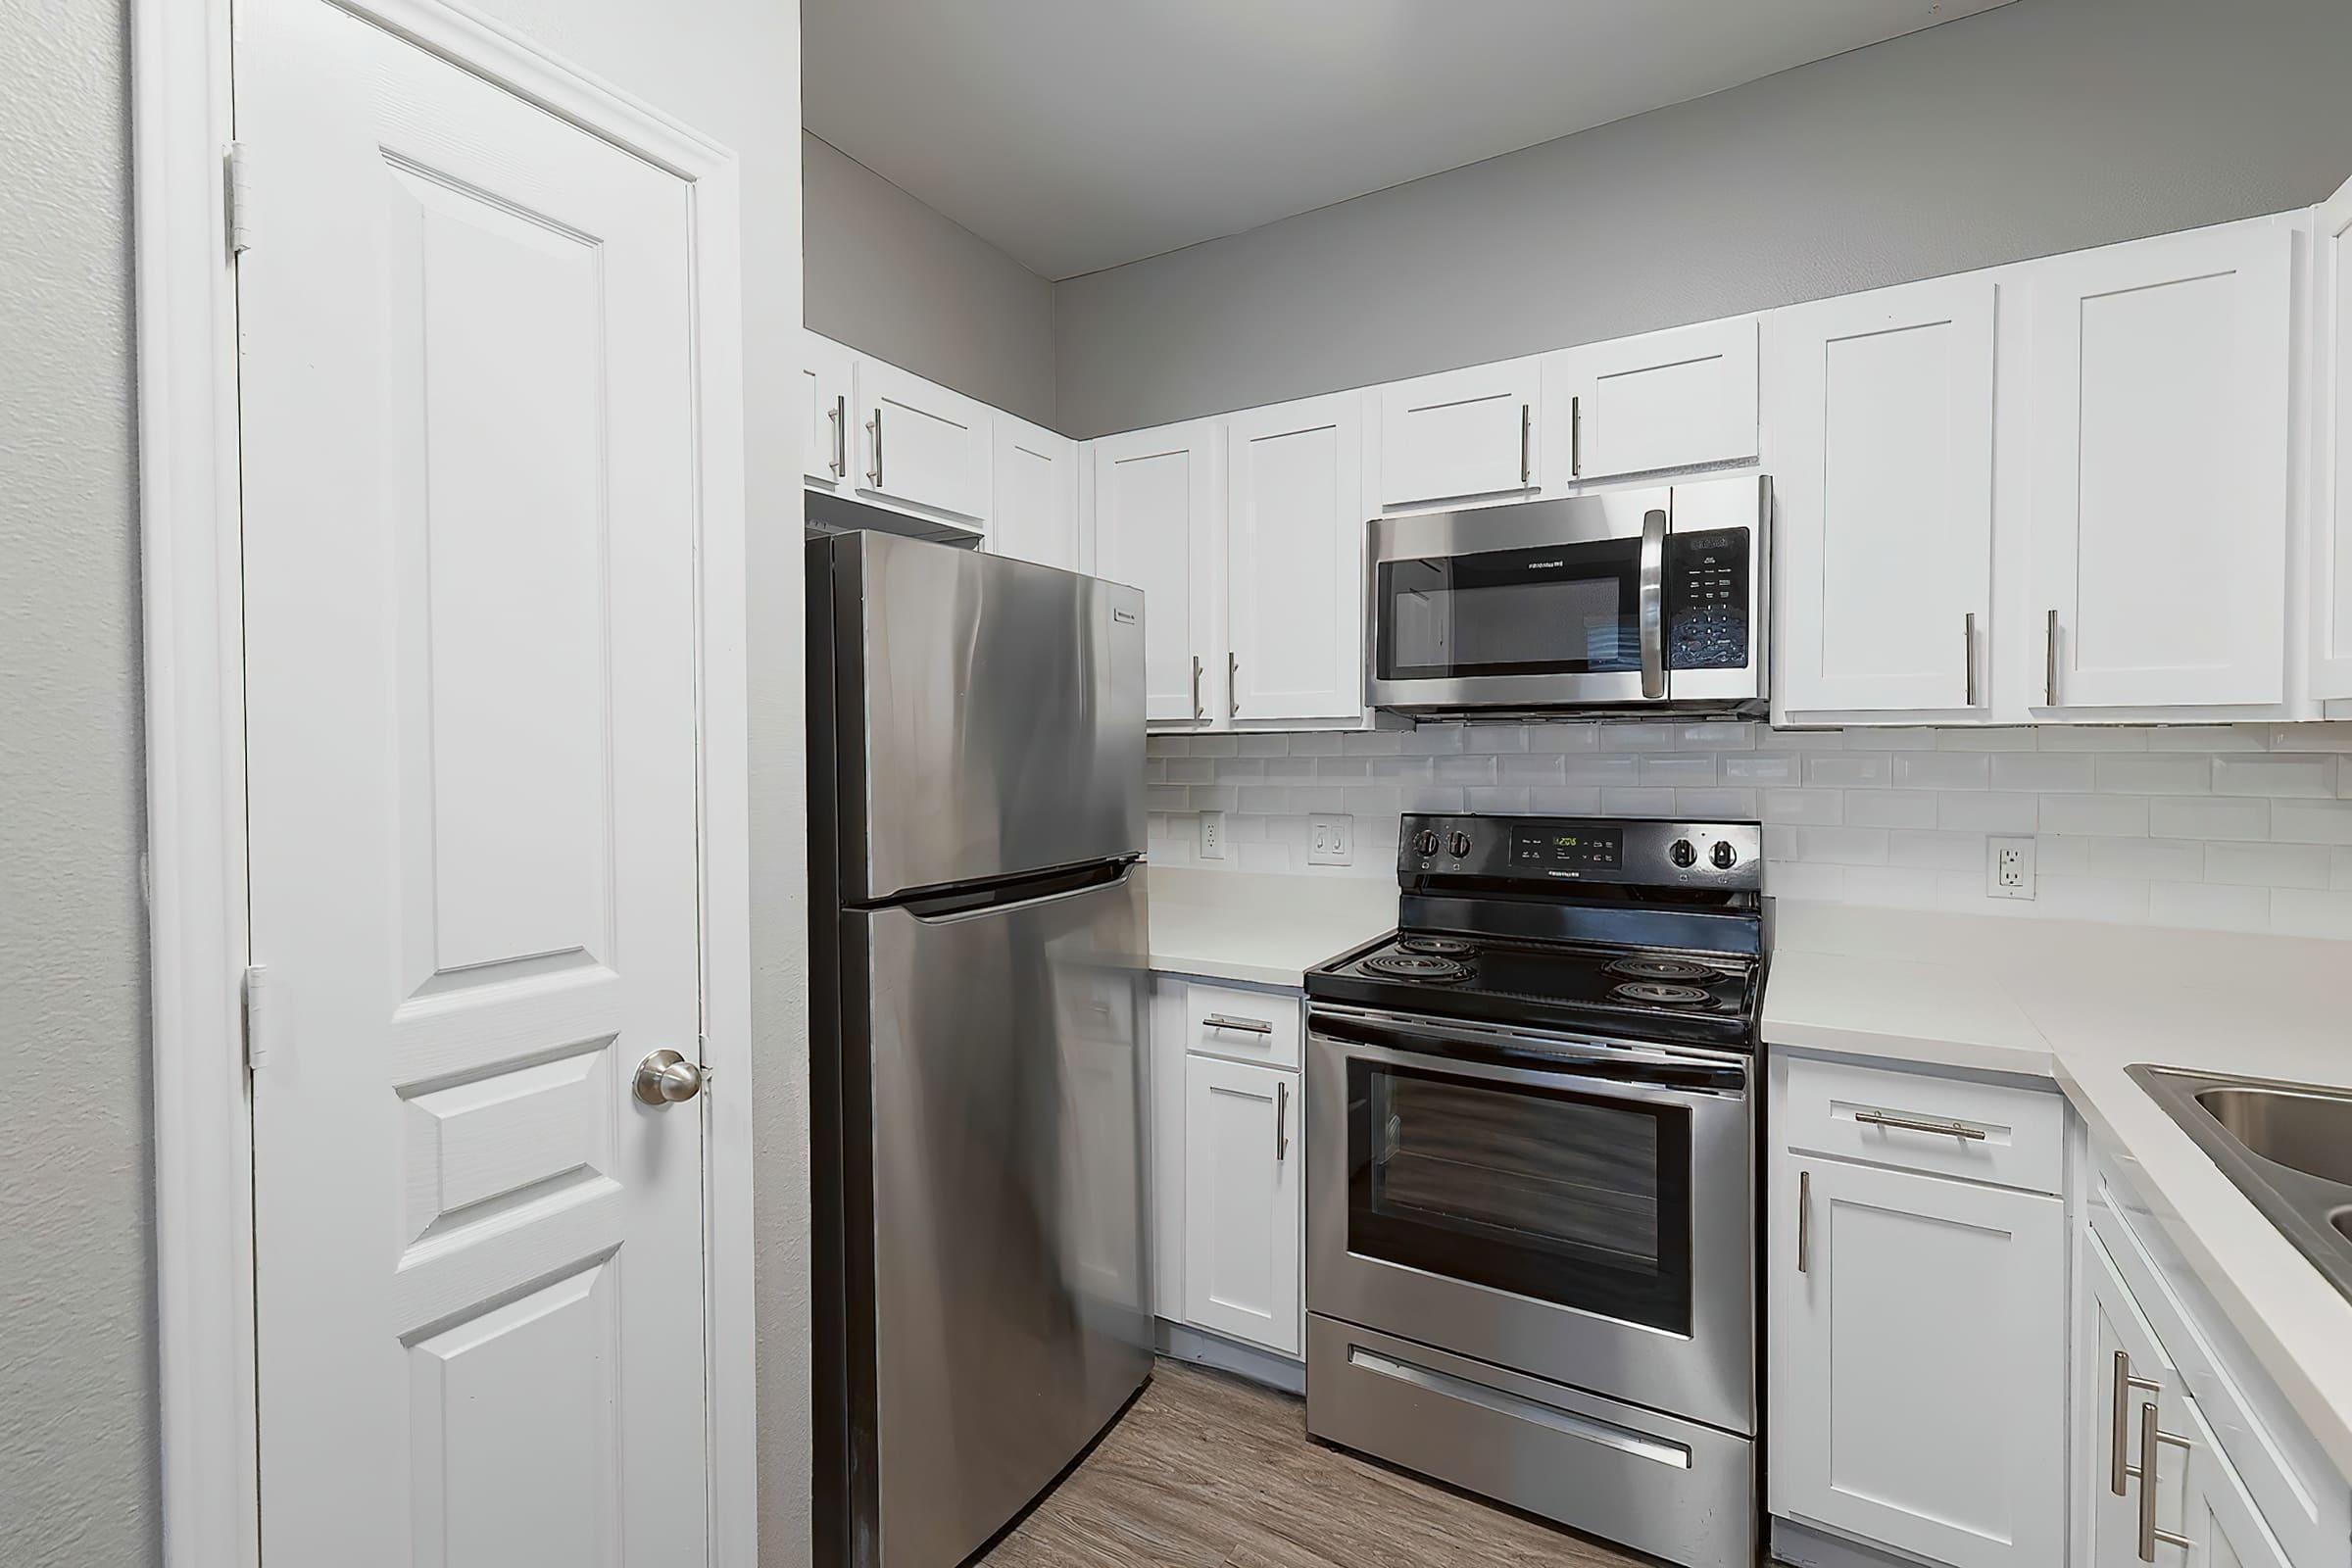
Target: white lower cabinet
[(1918, 1393), (1241, 1195)]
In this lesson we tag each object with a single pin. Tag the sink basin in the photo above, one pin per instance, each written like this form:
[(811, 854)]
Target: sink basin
[(2287, 1146), (2305, 1130)]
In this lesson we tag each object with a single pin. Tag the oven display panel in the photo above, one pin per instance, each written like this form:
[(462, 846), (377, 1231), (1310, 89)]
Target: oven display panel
[(1545, 848)]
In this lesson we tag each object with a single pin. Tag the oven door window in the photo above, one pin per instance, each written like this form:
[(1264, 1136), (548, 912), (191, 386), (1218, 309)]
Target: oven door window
[(1566, 610), (1574, 1199)]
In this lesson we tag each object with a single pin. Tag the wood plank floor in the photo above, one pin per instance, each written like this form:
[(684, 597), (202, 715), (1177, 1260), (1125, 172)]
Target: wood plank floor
[(1206, 1471)]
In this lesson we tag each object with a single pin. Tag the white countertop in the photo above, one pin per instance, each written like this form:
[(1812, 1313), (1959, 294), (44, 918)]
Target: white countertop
[(2077, 1004), (1263, 929)]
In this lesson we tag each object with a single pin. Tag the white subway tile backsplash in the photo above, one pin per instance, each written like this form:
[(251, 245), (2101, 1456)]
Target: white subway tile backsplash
[(1262, 800), (1376, 742), (2210, 819), (1727, 737), (1843, 845), (1902, 886), (1532, 768), (2340, 861), (2200, 906), (1165, 798), (1412, 767), (1190, 769), (1214, 746), (1801, 879), (2268, 866), (2312, 822), (1256, 744), (1570, 800), (1621, 801), (2334, 736), (1494, 738), (2044, 773), (1891, 809), (2298, 911), (1601, 771), (2089, 738), (1941, 770), (1849, 770), (1677, 770), (1315, 743), (1730, 805), (1464, 770), (2309, 777), (2210, 738), (2153, 773), (2154, 860), (1563, 737), (2092, 898), (1934, 852), (1818, 807), (1764, 767), (1984, 739), (2109, 815), (1637, 737), (1494, 800)]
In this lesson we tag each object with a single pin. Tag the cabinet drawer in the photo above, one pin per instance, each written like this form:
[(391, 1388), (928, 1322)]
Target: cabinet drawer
[(1942, 1126), (1261, 1026)]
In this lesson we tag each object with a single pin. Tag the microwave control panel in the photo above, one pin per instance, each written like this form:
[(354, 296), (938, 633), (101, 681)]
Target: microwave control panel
[(1707, 594)]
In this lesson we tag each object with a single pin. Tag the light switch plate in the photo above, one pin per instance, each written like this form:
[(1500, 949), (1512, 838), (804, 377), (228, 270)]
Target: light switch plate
[(1212, 835), (2008, 868), (1330, 840)]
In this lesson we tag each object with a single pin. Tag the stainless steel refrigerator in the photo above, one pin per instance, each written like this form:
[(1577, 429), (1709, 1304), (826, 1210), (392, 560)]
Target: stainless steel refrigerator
[(976, 804)]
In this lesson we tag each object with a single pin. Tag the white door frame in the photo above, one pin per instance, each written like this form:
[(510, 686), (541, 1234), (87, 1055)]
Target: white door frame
[(190, 540)]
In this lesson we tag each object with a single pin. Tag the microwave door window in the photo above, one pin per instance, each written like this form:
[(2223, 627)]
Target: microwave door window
[(1559, 610)]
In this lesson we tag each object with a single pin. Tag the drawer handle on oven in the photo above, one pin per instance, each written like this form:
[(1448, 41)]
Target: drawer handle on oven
[(1912, 1124), (1568, 1423), (1247, 1026)]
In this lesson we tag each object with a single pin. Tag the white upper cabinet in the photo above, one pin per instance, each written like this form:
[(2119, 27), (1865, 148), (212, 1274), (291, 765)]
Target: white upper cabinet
[(1679, 399), (1242, 1202), (1159, 508), (2158, 490), (826, 449), (1295, 560), (920, 445), (1036, 517), (1460, 435), (2332, 450), (1881, 408)]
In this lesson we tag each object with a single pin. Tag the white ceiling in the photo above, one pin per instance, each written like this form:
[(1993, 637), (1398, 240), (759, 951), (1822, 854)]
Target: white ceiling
[(1078, 135)]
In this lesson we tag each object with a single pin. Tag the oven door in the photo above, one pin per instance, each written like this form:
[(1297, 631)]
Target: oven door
[(1547, 604), (1573, 1209)]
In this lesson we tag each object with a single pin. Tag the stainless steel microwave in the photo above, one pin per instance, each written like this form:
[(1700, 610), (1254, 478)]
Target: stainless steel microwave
[(1650, 599)]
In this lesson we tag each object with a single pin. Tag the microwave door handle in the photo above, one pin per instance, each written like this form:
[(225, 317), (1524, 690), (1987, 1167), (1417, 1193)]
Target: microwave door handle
[(1653, 603)]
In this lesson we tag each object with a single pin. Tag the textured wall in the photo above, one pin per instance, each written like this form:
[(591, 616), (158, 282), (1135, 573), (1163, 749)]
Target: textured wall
[(77, 1460), (894, 277), (2044, 126)]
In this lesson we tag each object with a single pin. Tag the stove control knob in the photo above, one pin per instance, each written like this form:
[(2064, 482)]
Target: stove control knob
[(1426, 842), (1459, 844), (1683, 854), (1724, 856)]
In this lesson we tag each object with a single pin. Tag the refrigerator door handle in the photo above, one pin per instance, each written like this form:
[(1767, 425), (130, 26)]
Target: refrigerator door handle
[(1024, 892)]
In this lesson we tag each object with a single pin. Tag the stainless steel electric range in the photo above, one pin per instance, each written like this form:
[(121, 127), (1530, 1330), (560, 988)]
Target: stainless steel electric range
[(1532, 1148)]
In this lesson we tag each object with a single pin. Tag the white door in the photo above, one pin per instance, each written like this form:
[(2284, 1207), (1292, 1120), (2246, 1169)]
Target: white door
[(1295, 560), (2120, 1367), (1241, 1210), (1459, 435), (470, 515), (1919, 1362), (2159, 479), (1036, 479), (2219, 1519), (1883, 472), (1679, 399), (2332, 451), (826, 446), (1159, 511), (923, 447)]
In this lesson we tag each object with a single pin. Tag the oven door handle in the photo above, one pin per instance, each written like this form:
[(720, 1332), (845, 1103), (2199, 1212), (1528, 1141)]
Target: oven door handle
[(1513, 1061), (1653, 603)]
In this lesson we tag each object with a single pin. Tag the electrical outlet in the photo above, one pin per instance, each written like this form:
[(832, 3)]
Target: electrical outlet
[(1212, 835), (1330, 840), (2008, 868)]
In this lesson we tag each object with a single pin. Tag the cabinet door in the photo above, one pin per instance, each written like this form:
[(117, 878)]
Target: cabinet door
[(2119, 1367), (1679, 399), (924, 446), (1242, 1202), (1295, 560), (2158, 492), (826, 449), (2332, 451), (1460, 435), (2224, 1528), (1159, 502), (1883, 469), (1034, 473), (1918, 1363)]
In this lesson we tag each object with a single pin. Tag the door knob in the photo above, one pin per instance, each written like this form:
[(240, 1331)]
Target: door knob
[(667, 1078)]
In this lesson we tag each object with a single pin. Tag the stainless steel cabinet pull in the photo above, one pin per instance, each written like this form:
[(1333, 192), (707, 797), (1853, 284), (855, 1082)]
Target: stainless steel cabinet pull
[(1247, 1026), (1911, 1124), (1233, 685), (1576, 437), (2120, 1467), (841, 437), (1198, 710), (1968, 654), (874, 426), (2149, 1437), (1650, 603), (1804, 1222), (1282, 1112), (2049, 662), (1527, 419)]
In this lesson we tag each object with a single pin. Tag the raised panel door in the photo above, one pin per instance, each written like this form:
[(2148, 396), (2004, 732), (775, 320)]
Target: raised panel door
[(1919, 1357), (1460, 435), (1160, 506), (2159, 483), (1241, 1197), (1883, 472), (923, 447), (1679, 399), (1295, 560)]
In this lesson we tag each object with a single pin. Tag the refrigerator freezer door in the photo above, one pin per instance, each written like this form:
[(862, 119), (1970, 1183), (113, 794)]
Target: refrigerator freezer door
[(1011, 1310), (986, 715)]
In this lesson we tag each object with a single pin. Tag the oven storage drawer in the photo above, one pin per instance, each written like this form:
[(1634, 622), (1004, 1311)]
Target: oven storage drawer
[(1260, 1026), (1996, 1132), (1669, 1487)]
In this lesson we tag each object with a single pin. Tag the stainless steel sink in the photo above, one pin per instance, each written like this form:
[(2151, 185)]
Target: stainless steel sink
[(2287, 1146)]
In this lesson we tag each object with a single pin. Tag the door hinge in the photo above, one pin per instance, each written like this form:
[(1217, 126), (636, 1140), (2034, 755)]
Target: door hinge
[(240, 198), (256, 1017)]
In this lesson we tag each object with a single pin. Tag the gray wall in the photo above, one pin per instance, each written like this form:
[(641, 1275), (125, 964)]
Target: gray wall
[(898, 280), (2045, 125), (77, 1445), (77, 1463)]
